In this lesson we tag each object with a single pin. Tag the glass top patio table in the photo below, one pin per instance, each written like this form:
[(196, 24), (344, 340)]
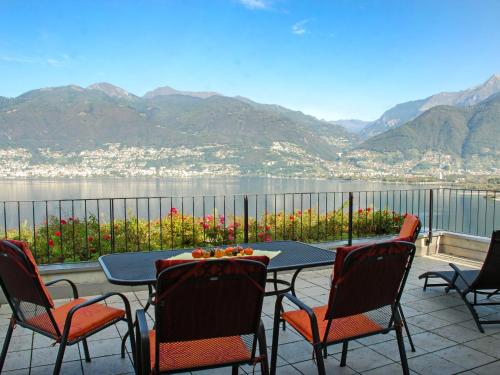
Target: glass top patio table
[(138, 268)]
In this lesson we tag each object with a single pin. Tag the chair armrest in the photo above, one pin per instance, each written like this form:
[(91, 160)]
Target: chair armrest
[(74, 309), (458, 272), (71, 283), (142, 360), (302, 306)]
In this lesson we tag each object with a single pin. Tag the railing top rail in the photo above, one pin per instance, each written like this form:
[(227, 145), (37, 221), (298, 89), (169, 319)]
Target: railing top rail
[(239, 195)]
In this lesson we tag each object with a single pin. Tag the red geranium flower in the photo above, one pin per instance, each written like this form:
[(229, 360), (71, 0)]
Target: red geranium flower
[(261, 235), (268, 228), (292, 218), (63, 222), (57, 234), (107, 237), (368, 209), (90, 238), (173, 211), (360, 210), (299, 212), (268, 238), (51, 243)]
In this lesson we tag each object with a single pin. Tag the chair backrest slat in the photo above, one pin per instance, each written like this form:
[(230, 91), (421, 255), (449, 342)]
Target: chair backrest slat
[(489, 275), (370, 278), (209, 299)]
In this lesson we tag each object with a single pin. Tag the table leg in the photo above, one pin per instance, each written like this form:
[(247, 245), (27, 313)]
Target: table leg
[(146, 307)]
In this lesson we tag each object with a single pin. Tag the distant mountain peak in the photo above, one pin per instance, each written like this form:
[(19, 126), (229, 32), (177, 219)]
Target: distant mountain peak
[(167, 90), (110, 90)]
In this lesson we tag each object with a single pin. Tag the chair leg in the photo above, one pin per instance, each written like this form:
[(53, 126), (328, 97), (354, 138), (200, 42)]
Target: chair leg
[(276, 332), (473, 312), (124, 341), (325, 352), (425, 283), (86, 350), (406, 328), (264, 365), (235, 370), (343, 358), (319, 359), (401, 347), (6, 343), (60, 355)]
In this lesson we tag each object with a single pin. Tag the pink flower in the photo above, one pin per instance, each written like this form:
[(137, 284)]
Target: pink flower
[(57, 234), (209, 217), (261, 235), (299, 212), (268, 238), (205, 225), (63, 222), (222, 219), (173, 211), (360, 210), (230, 231), (230, 237)]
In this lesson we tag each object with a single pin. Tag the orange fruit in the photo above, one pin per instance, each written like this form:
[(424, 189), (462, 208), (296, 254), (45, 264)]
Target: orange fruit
[(197, 253), (248, 251)]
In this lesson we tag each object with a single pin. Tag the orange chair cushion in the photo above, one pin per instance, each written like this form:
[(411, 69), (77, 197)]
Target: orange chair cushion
[(340, 329), (198, 353), (84, 321), (25, 248), (340, 254), (408, 228)]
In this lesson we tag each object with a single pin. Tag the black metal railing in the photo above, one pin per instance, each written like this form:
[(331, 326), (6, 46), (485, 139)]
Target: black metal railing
[(74, 230)]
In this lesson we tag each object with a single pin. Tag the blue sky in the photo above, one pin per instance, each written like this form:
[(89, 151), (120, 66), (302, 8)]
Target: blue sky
[(333, 59)]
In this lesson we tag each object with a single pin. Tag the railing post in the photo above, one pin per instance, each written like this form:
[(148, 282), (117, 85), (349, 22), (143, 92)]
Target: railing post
[(431, 214), (351, 199), (245, 219)]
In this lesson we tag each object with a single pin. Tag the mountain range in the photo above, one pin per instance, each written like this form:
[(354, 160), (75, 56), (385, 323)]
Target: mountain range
[(404, 112), (172, 130)]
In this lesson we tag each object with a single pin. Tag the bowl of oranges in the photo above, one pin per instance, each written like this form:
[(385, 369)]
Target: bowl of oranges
[(217, 252)]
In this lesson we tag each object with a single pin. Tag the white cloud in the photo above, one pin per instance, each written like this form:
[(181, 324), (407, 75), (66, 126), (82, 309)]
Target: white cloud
[(56, 62), (299, 28), (256, 4)]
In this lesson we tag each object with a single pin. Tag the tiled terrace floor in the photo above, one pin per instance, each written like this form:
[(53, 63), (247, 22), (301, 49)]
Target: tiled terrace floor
[(447, 339)]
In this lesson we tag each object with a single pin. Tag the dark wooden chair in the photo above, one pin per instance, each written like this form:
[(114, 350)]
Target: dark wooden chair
[(33, 308), (364, 298), (485, 281), (207, 315)]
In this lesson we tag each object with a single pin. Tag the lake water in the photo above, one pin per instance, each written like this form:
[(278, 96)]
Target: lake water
[(457, 210)]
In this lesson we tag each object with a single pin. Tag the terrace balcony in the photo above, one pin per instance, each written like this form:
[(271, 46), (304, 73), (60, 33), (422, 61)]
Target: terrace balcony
[(446, 338)]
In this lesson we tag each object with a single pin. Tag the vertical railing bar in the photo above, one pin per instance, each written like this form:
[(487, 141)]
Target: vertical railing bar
[(351, 201), (326, 216), (485, 212), (5, 220), (126, 224), (235, 230), (456, 209), (301, 216), (34, 229), (60, 230), (73, 228), (477, 219), (275, 223), (19, 220), (256, 217), (138, 242), (112, 223), (182, 223), (47, 229), (213, 214), (310, 214), (318, 214), (224, 223), (86, 230), (149, 225), (449, 209), (284, 216), (194, 233), (161, 224), (265, 216), (342, 219), (171, 225), (98, 227), (425, 201), (204, 221), (494, 208), (245, 219)]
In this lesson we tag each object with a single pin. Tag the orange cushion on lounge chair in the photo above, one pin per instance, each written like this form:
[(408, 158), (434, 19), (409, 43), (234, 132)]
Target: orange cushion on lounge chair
[(26, 250), (199, 353), (341, 328), (408, 228)]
